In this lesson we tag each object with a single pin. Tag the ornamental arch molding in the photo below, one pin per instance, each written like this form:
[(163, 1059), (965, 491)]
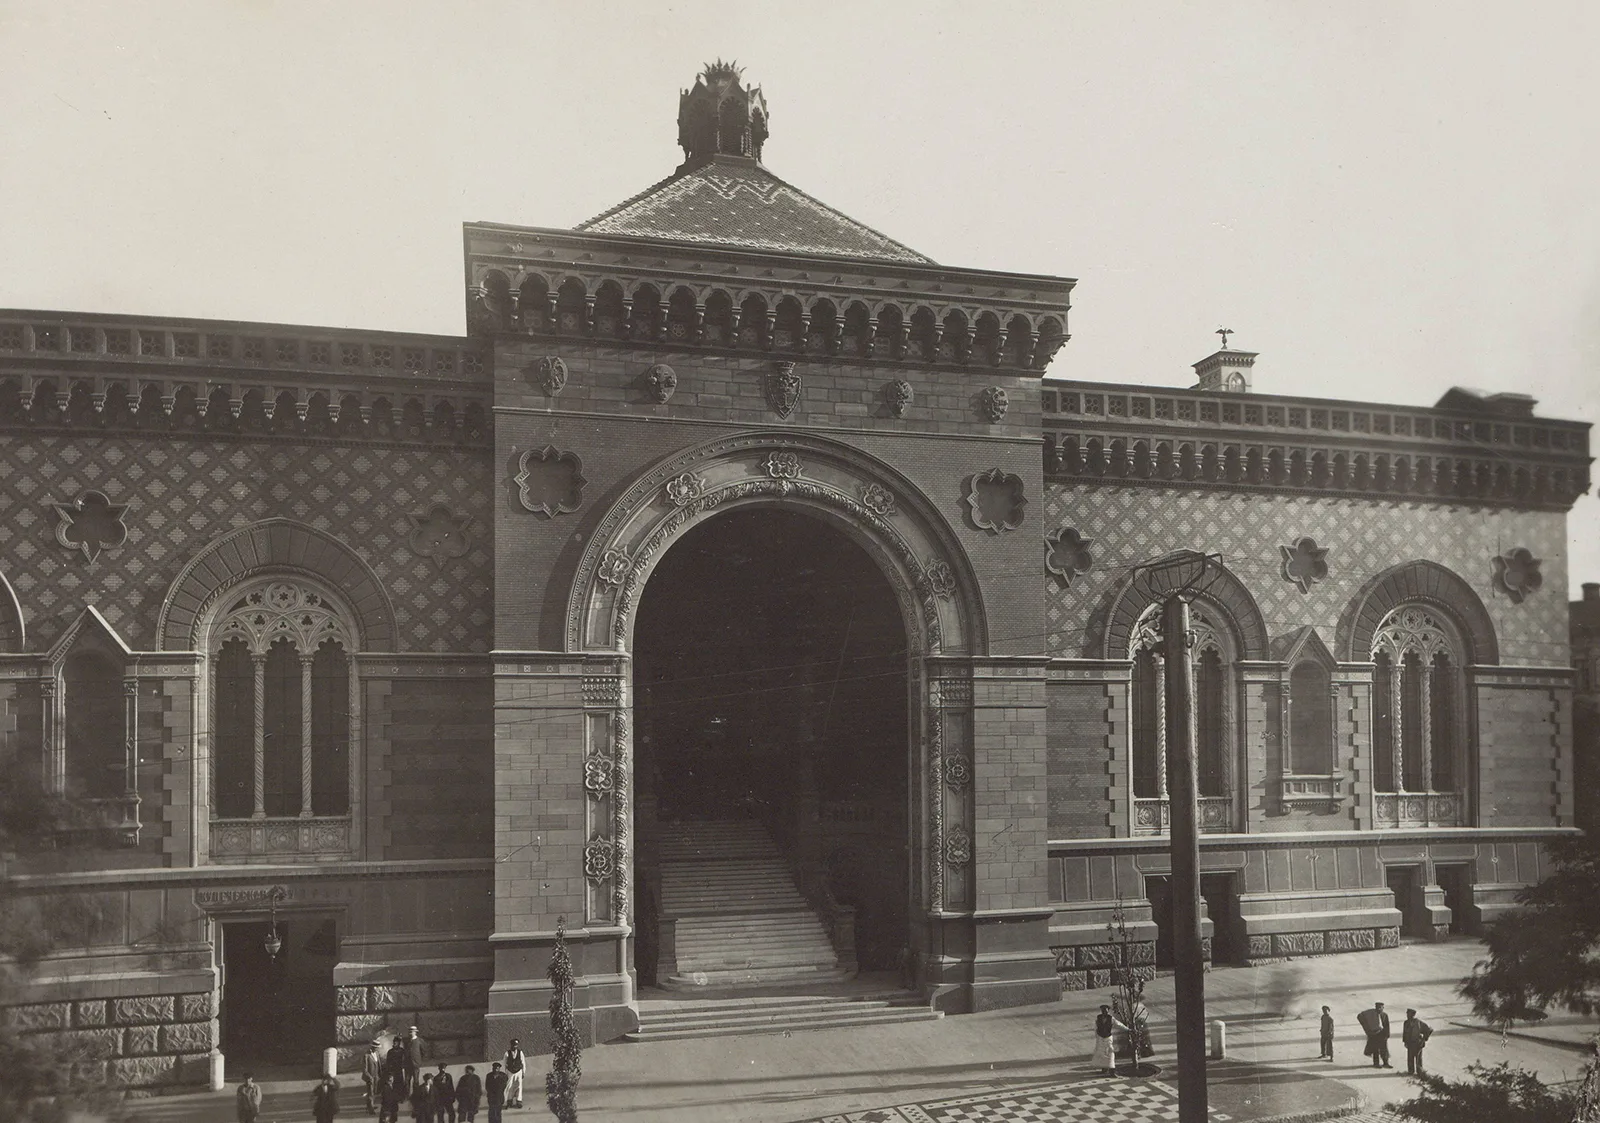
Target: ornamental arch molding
[(1423, 582), (275, 546), (13, 629), (880, 509), (1112, 630)]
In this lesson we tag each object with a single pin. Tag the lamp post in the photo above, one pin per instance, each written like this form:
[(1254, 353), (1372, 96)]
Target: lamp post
[(1174, 580)]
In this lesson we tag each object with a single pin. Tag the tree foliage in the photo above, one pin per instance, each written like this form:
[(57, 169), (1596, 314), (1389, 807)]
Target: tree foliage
[(1502, 1093), (566, 1068), (1547, 952)]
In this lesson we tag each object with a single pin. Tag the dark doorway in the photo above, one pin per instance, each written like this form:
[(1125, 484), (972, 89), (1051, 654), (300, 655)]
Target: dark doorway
[(1456, 881), (278, 1012), (1158, 891), (1405, 882), (1221, 894), (770, 683)]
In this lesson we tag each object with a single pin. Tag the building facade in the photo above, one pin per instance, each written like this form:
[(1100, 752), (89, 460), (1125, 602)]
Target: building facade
[(730, 514)]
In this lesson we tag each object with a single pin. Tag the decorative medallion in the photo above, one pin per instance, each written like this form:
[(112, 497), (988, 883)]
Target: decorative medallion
[(957, 772), (613, 568), (1516, 573), (783, 388), (1304, 564), (91, 523), (599, 860), (877, 499), (438, 533), (994, 402), (941, 579), (550, 482), (782, 465), (685, 489), (1066, 554), (549, 374), (662, 380), (957, 849), (995, 500), (598, 777), (899, 395)]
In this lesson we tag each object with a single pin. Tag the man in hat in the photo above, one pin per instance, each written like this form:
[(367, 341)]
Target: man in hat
[(1375, 1022), (469, 1093), (1327, 1035), (515, 1063), (372, 1072), (444, 1095), (494, 1090), (247, 1100), (1414, 1033)]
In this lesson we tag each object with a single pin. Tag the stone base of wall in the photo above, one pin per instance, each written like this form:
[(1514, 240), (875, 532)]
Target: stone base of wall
[(1092, 966), (1286, 945), (448, 1014), (146, 1041)]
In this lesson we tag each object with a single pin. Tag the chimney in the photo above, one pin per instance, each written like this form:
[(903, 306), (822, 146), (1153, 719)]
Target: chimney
[(1591, 590), (1226, 371)]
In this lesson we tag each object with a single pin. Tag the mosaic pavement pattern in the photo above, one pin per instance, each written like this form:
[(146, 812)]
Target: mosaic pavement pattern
[(182, 494), (1100, 1100), (1129, 525)]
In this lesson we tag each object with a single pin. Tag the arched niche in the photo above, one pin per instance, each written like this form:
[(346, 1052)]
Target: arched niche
[(1423, 582), (1232, 604)]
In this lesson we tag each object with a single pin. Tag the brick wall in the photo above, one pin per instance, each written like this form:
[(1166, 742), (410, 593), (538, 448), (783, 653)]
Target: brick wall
[(438, 800)]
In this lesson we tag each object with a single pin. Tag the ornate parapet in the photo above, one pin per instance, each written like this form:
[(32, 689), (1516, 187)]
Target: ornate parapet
[(1410, 810), (1137, 435), (297, 839)]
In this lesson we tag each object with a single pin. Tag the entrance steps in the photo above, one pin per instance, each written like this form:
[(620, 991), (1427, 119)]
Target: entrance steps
[(739, 918), (733, 1017)]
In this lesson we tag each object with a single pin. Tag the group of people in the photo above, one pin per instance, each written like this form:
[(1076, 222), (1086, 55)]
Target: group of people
[(1414, 1034), (399, 1078)]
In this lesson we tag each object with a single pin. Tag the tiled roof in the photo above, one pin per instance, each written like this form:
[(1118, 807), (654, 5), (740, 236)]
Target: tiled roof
[(730, 201)]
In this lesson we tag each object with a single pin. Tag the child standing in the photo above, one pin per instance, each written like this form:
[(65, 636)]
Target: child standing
[(1327, 1035)]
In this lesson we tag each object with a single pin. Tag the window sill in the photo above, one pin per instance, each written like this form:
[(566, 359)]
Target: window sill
[(1403, 810), (321, 836), (1319, 789)]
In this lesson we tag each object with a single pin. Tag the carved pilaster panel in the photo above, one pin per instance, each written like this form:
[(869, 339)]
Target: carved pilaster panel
[(951, 780)]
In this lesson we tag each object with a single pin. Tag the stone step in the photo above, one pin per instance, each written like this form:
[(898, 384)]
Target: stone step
[(810, 974), (778, 1023)]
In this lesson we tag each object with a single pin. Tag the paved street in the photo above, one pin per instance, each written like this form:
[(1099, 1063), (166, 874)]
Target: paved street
[(1029, 1065)]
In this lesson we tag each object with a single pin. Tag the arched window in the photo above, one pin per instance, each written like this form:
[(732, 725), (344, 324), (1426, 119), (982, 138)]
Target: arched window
[(1310, 720), (1419, 727), (95, 726), (1212, 657), (282, 704)]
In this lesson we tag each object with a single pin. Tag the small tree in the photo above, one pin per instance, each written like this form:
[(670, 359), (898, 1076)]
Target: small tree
[(561, 1085), (1128, 1005)]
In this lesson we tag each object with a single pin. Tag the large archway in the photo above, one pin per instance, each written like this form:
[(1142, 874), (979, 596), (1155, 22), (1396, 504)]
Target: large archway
[(771, 703)]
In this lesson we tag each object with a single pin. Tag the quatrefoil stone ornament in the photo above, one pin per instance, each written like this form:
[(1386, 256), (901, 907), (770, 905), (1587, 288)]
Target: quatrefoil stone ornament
[(1066, 554), (1516, 574), (782, 465), (438, 533), (550, 482), (91, 523), (995, 501), (1304, 564)]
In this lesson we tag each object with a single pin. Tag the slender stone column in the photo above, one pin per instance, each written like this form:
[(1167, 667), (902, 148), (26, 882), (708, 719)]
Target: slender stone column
[(1161, 726), (130, 735), (1397, 724), (55, 748), (305, 735), (259, 663)]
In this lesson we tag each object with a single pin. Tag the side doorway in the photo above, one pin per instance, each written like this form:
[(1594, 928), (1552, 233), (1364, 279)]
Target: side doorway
[(277, 1011), (1406, 883)]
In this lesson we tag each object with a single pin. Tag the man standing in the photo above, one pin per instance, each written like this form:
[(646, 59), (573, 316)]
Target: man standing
[(469, 1093), (372, 1073), (1414, 1033), (1327, 1035), (515, 1063), (248, 1100), (494, 1088), (444, 1095), (1376, 1024), (325, 1100), (416, 1052), (397, 1066), (392, 1090)]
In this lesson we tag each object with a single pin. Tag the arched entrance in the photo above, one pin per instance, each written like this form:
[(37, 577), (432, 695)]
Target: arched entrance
[(771, 753)]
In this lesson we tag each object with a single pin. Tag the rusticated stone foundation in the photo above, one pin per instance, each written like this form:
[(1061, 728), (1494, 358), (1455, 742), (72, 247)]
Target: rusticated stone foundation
[(1091, 966), (145, 1042), (449, 1016)]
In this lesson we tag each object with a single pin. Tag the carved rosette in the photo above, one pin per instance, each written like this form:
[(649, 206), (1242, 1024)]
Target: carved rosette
[(598, 776), (782, 465), (958, 850), (957, 772), (899, 395), (549, 373), (685, 489), (662, 381), (783, 387), (613, 568), (1516, 574), (877, 499), (599, 860), (940, 578), (1304, 563), (1066, 554), (91, 523), (994, 402)]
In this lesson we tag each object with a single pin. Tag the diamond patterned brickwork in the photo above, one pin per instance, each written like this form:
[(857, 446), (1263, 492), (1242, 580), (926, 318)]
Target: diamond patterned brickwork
[(1135, 524), (182, 494)]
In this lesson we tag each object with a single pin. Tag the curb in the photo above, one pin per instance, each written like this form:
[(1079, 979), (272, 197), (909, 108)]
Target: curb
[(1350, 1108)]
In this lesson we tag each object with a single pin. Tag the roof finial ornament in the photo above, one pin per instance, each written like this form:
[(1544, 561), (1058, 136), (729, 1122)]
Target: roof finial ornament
[(1225, 332), (721, 116)]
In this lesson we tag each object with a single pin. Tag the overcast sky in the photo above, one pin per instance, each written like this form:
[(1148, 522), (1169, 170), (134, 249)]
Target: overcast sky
[(1383, 199)]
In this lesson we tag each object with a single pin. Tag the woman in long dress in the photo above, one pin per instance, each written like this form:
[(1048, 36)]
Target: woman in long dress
[(1106, 1029)]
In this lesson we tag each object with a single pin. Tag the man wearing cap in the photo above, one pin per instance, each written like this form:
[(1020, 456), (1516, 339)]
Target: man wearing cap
[(1376, 1024), (515, 1063), (494, 1091), (1414, 1032)]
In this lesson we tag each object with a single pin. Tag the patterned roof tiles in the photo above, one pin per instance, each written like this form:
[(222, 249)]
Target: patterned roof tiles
[(729, 201)]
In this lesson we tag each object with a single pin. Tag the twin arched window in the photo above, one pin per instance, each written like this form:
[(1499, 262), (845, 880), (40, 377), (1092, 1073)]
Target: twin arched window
[(282, 704), (1418, 694), (1213, 658)]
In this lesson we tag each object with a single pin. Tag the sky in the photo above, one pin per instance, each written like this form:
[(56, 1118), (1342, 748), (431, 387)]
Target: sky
[(1383, 199)]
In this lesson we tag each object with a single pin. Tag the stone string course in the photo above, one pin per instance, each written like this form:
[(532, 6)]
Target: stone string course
[(142, 1042)]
